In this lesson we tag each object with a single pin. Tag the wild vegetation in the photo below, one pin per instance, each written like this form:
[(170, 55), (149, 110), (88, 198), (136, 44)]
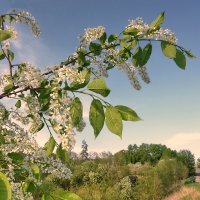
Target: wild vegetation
[(148, 174), (32, 99)]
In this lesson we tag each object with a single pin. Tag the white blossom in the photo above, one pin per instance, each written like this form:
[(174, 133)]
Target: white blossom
[(92, 34)]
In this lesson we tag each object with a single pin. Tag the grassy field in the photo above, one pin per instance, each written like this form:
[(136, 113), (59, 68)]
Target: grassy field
[(187, 192)]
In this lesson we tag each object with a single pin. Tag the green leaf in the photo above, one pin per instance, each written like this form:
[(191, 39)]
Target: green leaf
[(146, 53), (131, 31), (17, 158), (95, 48), (64, 195), (5, 189), (2, 55), (36, 127), (112, 38), (49, 146), (18, 104), (8, 88), (189, 54), (110, 66), (102, 39), (2, 139), (127, 113), (36, 171), (180, 59), (76, 111), (96, 116), (81, 58), (99, 86), (128, 42), (44, 93), (47, 197), (62, 154), (10, 55), (169, 50), (158, 21), (137, 57), (4, 35), (86, 74), (29, 186), (114, 120)]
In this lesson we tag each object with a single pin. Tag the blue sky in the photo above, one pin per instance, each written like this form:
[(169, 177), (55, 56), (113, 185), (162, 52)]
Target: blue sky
[(169, 106)]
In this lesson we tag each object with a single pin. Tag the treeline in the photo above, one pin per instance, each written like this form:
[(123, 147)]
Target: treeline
[(145, 172), (153, 153)]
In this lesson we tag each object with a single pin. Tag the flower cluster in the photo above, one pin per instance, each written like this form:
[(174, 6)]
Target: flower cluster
[(14, 36), (91, 34), (160, 34), (16, 140), (28, 76), (68, 74), (60, 116), (27, 18), (18, 194)]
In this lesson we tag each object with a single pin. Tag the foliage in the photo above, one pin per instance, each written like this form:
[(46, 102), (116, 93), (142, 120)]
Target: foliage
[(49, 99), (84, 152), (112, 178), (156, 182), (151, 153), (187, 158)]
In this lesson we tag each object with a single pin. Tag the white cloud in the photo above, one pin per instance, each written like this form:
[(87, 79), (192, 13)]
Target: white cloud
[(27, 48), (190, 141)]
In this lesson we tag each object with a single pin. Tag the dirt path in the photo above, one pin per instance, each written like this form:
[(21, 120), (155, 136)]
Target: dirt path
[(185, 192), (197, 175)]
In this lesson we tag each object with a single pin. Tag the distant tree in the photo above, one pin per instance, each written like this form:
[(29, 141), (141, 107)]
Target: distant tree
[(84, 153), (198, 162), (151, 153), (105, 154), (187, 158)]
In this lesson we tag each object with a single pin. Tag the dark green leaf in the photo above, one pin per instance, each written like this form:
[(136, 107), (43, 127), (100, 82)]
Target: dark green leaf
[(103, 38), (146, 53), (18, 104), (127, 113), (169, 50), (17, 158), (114, 120), (99, 86), (29, 186), (2, 55), (125, 53), (2, 140), (62, 154), (49, 146), (110, 66), (137, 57), (76, 111), (4, 35), (180, 59), (81, 58), (96, 116), (189, 54), (95, 48), (112, 38)]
